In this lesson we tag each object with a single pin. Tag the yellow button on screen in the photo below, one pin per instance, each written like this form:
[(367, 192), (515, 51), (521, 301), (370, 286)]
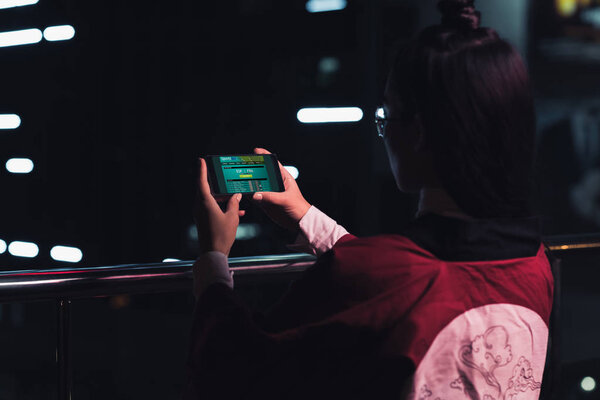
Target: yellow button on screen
[(245, 176)]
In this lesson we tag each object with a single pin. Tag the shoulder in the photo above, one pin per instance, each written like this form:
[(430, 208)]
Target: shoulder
[(395, 262), (379, 243), (382, 262), (381, 250)]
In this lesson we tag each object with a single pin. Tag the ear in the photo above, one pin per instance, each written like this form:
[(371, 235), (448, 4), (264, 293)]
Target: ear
[(421, 144)]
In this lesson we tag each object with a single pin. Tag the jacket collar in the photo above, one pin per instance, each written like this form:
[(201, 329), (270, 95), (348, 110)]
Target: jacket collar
[(456, 239)]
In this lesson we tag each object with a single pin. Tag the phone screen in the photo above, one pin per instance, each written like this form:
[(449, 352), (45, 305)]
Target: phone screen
[(244, 174)]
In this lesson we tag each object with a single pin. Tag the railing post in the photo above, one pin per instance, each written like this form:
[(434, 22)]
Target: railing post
[(63, 349)]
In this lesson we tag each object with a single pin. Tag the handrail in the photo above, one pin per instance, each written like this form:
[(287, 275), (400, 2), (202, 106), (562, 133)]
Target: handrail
[(573, 242), (81, 282), (65, 284)]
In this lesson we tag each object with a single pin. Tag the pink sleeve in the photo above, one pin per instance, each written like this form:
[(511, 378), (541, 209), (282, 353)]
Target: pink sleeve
[(318, 233), (211, 267)]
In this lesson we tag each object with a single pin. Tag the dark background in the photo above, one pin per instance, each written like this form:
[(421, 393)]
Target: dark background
[(115, 118)]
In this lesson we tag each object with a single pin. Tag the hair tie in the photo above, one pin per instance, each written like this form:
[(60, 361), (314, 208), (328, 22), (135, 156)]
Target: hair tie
[(459, 14)]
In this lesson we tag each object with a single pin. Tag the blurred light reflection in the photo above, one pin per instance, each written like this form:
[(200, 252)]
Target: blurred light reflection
[(23, 249), (9, 121), (16, 3), (60, 32), (315, 6), (247, 231), (588, 384), (66, 253), (19, 165), (18, 38), (329, 114), (293, 171)]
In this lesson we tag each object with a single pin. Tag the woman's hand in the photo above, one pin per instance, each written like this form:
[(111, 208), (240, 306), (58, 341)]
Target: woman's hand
[(216, 229), (284, 208)]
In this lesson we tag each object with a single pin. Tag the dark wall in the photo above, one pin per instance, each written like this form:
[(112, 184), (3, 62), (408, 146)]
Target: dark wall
[(115, 119)]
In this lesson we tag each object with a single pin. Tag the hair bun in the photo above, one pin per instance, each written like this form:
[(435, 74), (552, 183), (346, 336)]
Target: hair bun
[(459, 14)]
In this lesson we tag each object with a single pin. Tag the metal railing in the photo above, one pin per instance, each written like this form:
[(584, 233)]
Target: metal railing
[(81, 282), (64, 284)]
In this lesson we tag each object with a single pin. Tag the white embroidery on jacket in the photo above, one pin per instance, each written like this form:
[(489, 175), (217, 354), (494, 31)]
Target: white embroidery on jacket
[(522, 380), (493, 352), (487, 352)]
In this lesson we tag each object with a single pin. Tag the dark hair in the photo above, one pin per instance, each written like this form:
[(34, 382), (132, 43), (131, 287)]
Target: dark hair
[(471, 90)]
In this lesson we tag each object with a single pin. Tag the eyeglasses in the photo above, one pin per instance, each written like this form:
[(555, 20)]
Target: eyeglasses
[(381, 121)]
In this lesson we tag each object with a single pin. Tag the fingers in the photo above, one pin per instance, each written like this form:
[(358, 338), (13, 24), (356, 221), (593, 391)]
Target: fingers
[(268, 197), (241, 213), (284, 172), (203, 186), (203, 192), (258, 196), (260, 150), (233, 205)]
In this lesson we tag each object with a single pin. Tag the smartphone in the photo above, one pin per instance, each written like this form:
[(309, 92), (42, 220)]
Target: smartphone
[(243, 173)]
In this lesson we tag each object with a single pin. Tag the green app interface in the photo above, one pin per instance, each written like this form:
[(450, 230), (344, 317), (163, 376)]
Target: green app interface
[(243, 174)]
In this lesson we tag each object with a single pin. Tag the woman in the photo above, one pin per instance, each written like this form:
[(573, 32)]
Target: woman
[(455, 307)]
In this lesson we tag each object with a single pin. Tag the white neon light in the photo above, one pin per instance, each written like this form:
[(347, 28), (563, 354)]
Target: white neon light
[(23, 249), (19, 165), (2, 246), (9, 121), (329, 65), (170, 260), (16, 3), (329, 114), (588, 384), (247, 231), (193, 232), (59, 32), (66, 253), (18, 38), (293, 171), (315, 6)]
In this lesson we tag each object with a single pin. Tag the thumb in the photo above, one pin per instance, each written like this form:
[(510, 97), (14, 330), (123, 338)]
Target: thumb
[(268, 197), (233, 205)]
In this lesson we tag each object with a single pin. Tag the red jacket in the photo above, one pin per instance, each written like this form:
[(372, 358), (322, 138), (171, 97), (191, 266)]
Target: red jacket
[(448, 307)]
